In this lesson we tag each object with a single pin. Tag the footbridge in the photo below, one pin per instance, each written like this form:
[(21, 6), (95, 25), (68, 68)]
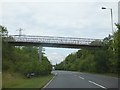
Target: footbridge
[(51, 41)]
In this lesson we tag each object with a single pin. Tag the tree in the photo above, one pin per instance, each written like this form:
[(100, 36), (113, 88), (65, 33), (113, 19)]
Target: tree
[(3, 31), (23, 59), (101, 60)]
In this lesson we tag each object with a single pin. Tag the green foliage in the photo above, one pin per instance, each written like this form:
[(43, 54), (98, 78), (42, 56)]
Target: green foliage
[(23, 59), (16, 80), (3, 31), (101, 60), (60, 66)]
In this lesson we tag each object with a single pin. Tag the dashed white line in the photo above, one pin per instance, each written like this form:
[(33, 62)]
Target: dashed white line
[(81, 77), (97, 84)]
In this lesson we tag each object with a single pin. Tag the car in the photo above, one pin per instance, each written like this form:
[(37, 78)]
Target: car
[(29, 75)]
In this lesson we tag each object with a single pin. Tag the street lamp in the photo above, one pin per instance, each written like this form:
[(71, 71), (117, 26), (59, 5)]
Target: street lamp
[(111, 17), (111, 22)]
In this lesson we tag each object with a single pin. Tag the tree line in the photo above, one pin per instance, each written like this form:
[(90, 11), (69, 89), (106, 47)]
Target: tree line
[(98, 60), (22, 59)]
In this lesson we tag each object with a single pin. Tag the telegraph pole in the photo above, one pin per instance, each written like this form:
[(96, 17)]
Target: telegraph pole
[(20, 31)]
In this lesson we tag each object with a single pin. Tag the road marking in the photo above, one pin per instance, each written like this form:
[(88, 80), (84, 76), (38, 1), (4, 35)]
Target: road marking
[(81, 77), (75, 75), (49, 82), (97, 84)]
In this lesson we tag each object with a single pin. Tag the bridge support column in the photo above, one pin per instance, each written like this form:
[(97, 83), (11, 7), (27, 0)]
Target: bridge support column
[(40, 53)]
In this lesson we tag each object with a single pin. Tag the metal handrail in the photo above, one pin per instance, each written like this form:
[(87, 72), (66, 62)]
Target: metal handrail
[(51, 39)]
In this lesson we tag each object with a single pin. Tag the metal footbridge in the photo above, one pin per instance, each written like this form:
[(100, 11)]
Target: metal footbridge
[(51, 41)]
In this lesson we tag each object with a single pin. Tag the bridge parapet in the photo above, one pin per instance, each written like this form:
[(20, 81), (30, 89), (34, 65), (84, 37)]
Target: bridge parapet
[(50, 40)]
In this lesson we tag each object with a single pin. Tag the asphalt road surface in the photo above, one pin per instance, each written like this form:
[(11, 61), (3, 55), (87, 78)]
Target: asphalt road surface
[(69, 79)]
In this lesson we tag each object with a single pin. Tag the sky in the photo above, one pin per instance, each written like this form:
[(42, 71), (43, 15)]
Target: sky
[(81, 19)]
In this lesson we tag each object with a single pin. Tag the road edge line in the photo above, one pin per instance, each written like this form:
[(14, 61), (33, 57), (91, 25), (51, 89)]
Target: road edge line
[(49, 82)]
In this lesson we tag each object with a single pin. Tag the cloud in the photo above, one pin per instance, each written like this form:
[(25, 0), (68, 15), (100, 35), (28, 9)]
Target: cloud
[(55, 57), (67, 19), (55, 17)]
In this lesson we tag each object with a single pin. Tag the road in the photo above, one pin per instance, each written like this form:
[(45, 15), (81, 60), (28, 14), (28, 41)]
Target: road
[(69, 79)]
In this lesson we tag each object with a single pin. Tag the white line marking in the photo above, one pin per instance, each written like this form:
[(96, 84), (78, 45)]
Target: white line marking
[(81, 77), (49, 82), (75, 75), (97, 84)]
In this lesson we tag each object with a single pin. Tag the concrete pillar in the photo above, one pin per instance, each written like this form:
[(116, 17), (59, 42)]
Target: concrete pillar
[(40, 53)]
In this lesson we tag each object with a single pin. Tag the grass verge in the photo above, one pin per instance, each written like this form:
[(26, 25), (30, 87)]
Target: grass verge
[(0, 80), (15, 80)]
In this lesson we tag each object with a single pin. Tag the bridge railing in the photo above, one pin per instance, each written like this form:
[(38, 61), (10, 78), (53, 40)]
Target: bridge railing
[(50, 39)]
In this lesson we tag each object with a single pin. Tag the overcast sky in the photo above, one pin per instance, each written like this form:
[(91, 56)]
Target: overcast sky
[(71, 19)]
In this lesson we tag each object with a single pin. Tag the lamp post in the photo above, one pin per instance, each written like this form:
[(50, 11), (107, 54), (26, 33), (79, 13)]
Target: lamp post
[(111, 17), (111, 22)]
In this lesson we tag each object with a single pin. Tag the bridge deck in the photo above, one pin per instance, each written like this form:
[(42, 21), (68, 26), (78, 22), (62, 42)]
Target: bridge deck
[(49, 41)]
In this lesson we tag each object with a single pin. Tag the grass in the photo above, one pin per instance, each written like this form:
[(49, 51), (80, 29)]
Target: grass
[(0, 80), (16, 80)]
